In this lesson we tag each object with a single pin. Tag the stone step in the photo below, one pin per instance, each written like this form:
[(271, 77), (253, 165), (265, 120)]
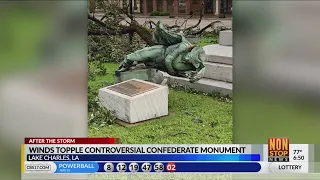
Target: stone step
[(217, 71), (218, 54), (203, 85), (225, 38)]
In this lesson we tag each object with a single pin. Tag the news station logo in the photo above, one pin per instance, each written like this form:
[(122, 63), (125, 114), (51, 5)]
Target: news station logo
[(278, 150)]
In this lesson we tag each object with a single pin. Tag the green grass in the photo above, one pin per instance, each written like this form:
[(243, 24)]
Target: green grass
[(180, 126), (207, 40), (109, 77)]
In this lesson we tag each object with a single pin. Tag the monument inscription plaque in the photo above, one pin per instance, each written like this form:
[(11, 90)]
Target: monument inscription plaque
[(135, 100), (132, 88)]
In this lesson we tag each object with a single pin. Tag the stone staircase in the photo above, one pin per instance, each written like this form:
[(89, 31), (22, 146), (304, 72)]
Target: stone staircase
[(218, 74)]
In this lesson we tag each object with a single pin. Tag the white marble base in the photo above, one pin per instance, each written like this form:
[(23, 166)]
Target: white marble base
[(225, 38), (217, 53), (217, 71), (137, 107)]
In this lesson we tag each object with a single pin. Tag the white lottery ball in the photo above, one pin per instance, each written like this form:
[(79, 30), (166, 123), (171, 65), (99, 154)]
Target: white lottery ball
[(108, 167), (134, 167), (146, 167), (158, 167), (121, 167)]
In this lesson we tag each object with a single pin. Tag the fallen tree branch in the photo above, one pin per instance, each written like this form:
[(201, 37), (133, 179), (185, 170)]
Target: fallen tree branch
[(143, 33), (176, 22), (174, 26), (196, 25), (150, 23), (206, 27), (103, 18), (92, 18), (104, 25), (186, 20), (127, 13), (200, 19), (101, 32)]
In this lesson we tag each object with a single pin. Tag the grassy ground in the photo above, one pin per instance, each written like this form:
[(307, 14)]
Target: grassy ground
[(207, 40), (193, 119)]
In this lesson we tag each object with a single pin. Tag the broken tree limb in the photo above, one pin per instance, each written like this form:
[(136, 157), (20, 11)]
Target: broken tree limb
[(149, 23), (103, 18), (173, 26), (186, 20), (196, 25), (101, 23), (92, 18), (206, 27), (199, 21), (145, 35), (101, 32)]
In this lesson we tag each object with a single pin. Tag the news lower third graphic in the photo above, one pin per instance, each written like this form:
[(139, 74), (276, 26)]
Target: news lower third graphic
[(103, 156), (144, 157)]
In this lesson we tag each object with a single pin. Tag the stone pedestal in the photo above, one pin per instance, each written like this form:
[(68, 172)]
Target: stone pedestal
[(225, 38), (146, 74), (135, 100)]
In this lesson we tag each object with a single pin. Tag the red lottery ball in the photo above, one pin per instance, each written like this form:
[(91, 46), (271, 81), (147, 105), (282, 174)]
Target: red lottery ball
[(171, 167)]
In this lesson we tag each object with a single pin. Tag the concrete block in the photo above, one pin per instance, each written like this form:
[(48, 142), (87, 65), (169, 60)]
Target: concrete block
[(225, 38), (135, 100), (203, 85), (146, 74), (222, 72), (218, 54)]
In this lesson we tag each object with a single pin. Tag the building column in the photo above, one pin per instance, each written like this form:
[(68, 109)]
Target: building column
[(136, 6), (188, 7), (176, 7), (218, 4), (214, 6), (165, 5), (145, 10), (154, 5)]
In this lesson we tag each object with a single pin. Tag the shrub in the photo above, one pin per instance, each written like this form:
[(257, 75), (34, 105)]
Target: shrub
[(155, 13), (164, 13), (159, 13)]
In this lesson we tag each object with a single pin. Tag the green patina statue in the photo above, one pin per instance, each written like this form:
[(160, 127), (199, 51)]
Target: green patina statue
[(173, 53)]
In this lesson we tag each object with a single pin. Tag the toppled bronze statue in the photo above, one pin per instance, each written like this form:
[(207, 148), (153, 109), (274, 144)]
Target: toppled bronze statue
[(173, 54)]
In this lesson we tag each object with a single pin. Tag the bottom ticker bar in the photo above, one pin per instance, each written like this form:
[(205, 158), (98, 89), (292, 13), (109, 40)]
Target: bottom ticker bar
[(80, 167), (72, 167), (186, 167)]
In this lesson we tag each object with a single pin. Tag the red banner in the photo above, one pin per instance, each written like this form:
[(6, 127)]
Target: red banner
[(70, 141)]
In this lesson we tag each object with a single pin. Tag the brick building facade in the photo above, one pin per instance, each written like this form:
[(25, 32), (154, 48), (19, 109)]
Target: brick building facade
[(178, 7), (182, 7)]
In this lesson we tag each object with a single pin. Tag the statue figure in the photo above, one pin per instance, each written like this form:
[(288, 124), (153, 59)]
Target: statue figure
[(173, 53)]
